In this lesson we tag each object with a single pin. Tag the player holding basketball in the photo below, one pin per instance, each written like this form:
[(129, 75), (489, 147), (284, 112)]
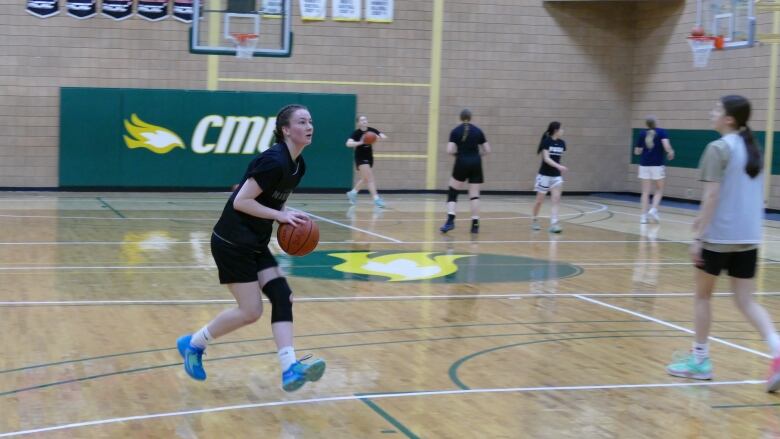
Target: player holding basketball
[(727, 233), (651, 145), (364, 161), (239, 245), (468, 145), (549, 178)]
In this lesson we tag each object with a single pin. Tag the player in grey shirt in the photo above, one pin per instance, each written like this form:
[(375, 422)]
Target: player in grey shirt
[(727, 233)]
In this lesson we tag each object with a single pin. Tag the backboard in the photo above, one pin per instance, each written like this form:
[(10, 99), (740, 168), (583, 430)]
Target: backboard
[(734, 20), (216, 23)]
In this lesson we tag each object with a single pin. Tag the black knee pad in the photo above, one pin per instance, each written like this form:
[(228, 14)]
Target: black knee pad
[(474, 198), (280, 296), (452, 195)]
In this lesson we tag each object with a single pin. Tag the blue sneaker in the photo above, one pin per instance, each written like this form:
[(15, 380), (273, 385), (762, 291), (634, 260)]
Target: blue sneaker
[(193, 358), (352, 197), (379, 202), (447, 227), (296, 375)]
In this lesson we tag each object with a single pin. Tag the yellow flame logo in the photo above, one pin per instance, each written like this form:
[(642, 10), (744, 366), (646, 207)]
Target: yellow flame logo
[(159, 140), (399, 266)]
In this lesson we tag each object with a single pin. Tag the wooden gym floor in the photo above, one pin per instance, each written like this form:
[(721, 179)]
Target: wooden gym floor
[(511, 333)]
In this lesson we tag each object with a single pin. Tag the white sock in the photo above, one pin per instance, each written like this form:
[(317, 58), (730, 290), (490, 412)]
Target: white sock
[(553, 220), (475, 217), (701, 351), (376, 197), (354, 192), (201, 338), (774, 344), (286, 357)]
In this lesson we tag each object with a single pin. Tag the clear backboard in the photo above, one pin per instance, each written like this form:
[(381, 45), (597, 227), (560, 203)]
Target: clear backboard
[(242, 27), (734, 20)]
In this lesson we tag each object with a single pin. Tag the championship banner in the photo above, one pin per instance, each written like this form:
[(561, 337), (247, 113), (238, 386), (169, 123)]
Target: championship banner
[(153, 10), (81, 9), (346, 10), (272, 8), (118, 9), (379, 11), (313, 10), (43, 8), (182, 10)]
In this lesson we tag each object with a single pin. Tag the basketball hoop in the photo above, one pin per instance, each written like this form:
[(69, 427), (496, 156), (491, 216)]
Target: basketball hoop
[(702, 47), (245, 44)]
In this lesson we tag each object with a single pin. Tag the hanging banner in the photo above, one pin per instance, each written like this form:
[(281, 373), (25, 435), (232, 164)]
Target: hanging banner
[(81, 9), (43, 8), (272, 8), (117, 9), (379, 11), (346, 10), (153, 10), (182, 10), (312, 10)]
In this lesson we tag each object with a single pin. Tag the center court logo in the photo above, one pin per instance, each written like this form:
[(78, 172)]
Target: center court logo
[(233, 134), (441, 267)]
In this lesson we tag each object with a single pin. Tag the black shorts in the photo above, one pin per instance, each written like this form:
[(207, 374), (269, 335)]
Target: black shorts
[(741, 265), (364, 157), (468, 169), (238, 264)]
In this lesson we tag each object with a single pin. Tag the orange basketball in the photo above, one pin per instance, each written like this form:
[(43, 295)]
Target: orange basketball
[(300, 240), (369, 138)]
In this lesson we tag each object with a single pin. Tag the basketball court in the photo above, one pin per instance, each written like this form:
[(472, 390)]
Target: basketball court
[(508, 333), (548, 335)]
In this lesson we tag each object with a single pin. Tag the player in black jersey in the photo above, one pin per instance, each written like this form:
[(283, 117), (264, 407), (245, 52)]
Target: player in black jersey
[(468, 144), (239, 245), (550, 179), (364, 161)]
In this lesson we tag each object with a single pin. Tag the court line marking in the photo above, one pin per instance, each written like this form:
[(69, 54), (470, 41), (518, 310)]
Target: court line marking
[(367, 232), (357, 397), (204, 241), (362, 298), (670, 325), (213, 266)]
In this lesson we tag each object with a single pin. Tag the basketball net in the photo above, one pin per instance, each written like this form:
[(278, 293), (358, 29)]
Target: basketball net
[(245, 44), (702, 48)]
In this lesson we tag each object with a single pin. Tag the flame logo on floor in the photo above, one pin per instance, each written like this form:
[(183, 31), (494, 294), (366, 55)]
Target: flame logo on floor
[(159, 140), (398, 267)]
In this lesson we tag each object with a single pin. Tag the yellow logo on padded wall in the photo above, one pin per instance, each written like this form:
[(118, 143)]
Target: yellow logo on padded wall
[(213, 134), (398, 266), (159, 140)]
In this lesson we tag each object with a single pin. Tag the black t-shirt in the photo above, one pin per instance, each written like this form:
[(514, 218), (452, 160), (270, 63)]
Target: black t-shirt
[(467, 137), (358, 134), (556, 148), (277, 174)]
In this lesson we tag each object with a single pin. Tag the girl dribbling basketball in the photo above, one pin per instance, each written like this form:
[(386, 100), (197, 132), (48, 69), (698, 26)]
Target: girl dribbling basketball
[(239, 245), (364, 161)]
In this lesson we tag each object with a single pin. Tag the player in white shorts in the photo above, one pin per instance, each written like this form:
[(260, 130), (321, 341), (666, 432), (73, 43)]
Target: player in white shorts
[(549, 179), (651, 145)]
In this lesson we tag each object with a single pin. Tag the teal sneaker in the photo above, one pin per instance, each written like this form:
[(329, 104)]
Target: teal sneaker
[(684, 365), (352, 197), (193, 358), (379, 202), (555, 228), (296, 375)]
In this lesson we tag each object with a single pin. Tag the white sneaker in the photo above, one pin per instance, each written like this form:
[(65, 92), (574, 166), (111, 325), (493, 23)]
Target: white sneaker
[(535, 225), (555, 228), (653, 214), (352, 197), (643, 219)]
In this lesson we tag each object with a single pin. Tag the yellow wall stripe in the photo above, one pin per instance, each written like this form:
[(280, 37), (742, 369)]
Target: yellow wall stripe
[(317, 82), (433, 103)]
